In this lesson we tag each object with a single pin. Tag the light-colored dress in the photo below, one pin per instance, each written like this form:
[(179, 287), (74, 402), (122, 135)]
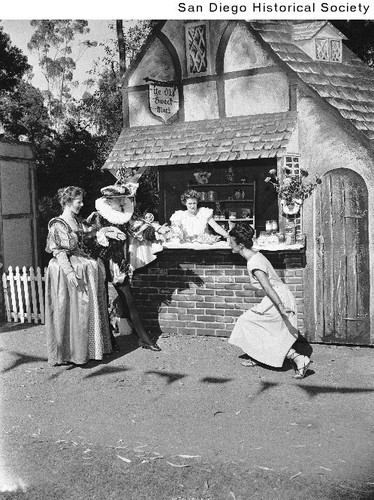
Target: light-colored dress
[(262, 332), (192, 225), (77, 321)]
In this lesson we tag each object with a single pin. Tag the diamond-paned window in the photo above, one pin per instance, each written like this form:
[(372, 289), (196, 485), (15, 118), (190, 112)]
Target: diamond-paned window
[(197, 43), (335, 50), (293, 164), (322, 49), (328, 50)]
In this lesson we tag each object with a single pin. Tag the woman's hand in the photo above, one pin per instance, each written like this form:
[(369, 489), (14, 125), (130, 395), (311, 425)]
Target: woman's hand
[(72, 279), (76, 281), (264, 281), (114, 233)]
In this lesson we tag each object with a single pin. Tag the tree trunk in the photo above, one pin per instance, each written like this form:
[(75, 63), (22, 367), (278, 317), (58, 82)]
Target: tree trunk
[(121, 47)]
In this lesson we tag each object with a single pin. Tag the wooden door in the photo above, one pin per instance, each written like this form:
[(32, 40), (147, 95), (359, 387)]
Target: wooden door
[(342, 260)]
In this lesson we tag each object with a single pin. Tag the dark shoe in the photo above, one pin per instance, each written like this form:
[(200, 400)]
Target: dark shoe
[(146, 345), (301, 367), (115, 345)]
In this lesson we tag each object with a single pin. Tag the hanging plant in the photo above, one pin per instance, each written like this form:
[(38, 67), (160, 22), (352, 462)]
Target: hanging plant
[(293, 189)]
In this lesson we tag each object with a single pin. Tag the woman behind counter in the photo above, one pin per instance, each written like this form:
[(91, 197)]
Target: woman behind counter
[(194, 221), (77, 321)]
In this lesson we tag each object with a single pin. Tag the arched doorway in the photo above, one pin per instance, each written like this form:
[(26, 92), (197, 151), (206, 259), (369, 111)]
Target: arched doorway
[(342, 259)]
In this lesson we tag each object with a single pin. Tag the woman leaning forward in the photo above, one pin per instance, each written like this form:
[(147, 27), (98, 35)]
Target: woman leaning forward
[(268, 331)]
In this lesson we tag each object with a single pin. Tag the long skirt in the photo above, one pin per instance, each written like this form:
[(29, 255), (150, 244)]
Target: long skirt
[(263, 333), (77, 321)]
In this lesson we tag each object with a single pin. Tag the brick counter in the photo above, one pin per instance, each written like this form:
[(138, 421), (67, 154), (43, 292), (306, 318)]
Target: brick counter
[(203, 292)]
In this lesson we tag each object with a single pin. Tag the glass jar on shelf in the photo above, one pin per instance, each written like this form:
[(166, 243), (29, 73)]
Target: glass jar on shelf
[(271, 226), (290, 236), (300, 239), (212, 196), (262, 238), (273, 240), (281, 238)]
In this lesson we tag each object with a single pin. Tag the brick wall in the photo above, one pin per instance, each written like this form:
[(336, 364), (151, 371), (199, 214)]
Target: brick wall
[(203, 292)]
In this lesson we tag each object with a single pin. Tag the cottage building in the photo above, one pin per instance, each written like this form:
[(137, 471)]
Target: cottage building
[(246, 97)]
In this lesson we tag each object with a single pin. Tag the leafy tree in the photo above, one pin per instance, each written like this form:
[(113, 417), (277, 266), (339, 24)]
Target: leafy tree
[(13, 64), (23, 112), (360, 36), (53, 41)]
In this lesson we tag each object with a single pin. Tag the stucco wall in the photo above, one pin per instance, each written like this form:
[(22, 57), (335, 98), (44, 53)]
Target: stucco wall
[(257, 94), (156, 63), (244, 52), (139, 113), (326, 144), (201, 101)]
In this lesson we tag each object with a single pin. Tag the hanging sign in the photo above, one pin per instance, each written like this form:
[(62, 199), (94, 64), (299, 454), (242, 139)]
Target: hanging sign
[(163, 101)]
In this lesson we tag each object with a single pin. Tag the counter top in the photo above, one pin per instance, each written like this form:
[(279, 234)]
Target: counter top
[(223, 245), (220, 245)]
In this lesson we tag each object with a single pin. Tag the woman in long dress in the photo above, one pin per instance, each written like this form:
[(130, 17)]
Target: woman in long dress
[(268, 331), (77, 320)]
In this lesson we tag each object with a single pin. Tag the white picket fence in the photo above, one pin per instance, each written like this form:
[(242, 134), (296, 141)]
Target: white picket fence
[(24, 295)]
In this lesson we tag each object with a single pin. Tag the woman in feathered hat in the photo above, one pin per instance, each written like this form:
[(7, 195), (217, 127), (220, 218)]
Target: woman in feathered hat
[(116, 208)]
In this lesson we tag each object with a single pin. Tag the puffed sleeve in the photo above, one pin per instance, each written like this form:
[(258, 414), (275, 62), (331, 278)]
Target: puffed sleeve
[(60, 241), (176, 218), (205, 213)]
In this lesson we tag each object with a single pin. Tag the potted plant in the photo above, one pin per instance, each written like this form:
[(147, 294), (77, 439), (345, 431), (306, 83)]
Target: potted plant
[(292, 189)]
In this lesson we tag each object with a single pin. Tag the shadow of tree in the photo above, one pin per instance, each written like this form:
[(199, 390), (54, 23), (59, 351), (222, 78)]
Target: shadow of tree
[(215, 380), (169, 376), (14, 327), (265, 386), (67, 368), (107, 370), (22, 359), (316, 390)]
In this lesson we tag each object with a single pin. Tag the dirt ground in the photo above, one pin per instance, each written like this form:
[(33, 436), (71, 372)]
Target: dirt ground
[(187, 423)]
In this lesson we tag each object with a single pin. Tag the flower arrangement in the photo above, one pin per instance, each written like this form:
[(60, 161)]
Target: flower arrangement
[(293, 188)]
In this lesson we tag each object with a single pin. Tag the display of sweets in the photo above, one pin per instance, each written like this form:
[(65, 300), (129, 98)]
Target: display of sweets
[(272, 240), (176, 233)]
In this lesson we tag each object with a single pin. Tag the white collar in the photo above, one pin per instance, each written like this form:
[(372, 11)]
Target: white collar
[(111, 215)]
